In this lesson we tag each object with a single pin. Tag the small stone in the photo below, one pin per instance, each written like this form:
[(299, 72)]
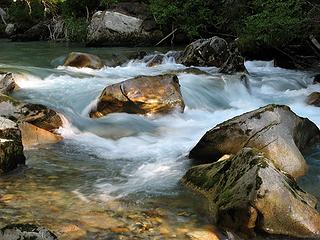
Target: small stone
[(70, 228), (119, 230), (202, 235)]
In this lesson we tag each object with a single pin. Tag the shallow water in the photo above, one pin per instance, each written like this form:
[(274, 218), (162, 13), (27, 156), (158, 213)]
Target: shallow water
[(109, 172)]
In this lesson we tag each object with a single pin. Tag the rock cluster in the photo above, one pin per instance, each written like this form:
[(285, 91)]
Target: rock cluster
[(254, 188)]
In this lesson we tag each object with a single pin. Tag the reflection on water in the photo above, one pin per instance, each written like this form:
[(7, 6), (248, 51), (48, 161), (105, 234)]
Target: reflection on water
[(118, 177)]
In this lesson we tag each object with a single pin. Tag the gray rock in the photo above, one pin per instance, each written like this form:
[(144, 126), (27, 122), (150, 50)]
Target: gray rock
[(108, 28), (274, 129), (215, 52), (10, 29), (7, 83), (26, 232), (247, 193), (11, 149)]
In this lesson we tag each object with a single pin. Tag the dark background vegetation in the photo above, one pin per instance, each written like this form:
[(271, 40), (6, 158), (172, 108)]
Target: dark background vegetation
[(254, 23)]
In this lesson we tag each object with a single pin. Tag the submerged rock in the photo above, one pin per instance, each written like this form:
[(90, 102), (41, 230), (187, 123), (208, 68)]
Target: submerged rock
[(111, 28), (247, 193), (80, 60), (314, 99), (11, 149), (274, 129), (26, 232), (215, 52), (316, 79), (156, 60), (144, 94)]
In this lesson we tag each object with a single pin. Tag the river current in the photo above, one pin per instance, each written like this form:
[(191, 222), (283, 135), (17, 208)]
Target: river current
[(113, 171)]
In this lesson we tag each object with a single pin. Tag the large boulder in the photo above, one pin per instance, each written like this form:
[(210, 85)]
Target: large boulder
[(314, 99), (215, 52), (274, 129), (26, 232), (247, 193), (80, 60), (109, 28), (11, 149), (144, 94)]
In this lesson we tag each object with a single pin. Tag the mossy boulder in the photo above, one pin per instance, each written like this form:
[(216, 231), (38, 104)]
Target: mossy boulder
[(11, 149), (274, 129), (214, 52), (140, 95), (81, 60), (248, 193), (26, 232)]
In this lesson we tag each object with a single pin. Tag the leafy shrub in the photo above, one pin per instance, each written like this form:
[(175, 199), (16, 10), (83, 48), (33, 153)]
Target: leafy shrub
[(76, 29)]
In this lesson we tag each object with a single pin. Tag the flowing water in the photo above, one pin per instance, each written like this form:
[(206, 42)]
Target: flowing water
[(118, 177)]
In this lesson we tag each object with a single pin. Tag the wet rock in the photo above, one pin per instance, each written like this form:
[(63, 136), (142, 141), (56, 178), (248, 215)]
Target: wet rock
[(11, 149), (140, 95), (111, 28), (215, 52), (41, 120), (274, 129), (202, 235), (190, 70), (80, 60), (316, 79), (33, 136), (7, 83), (248, 193), (156, 60), (314, 99), (26, 232), (10, 29)]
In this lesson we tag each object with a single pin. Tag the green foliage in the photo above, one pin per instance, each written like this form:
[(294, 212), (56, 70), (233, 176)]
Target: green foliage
[(76, 29), (276, 23), (21, 12), (107, 3), (78, 8), (190, 16)]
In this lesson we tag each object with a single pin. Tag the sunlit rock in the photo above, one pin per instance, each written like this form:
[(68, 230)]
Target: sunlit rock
[(42, 121), (274, 129), (11, 149), (314, 99), (26, 232), (81, 60), (215, 52), (141, 95), (202, 235), (248, 193), (33, 136)]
